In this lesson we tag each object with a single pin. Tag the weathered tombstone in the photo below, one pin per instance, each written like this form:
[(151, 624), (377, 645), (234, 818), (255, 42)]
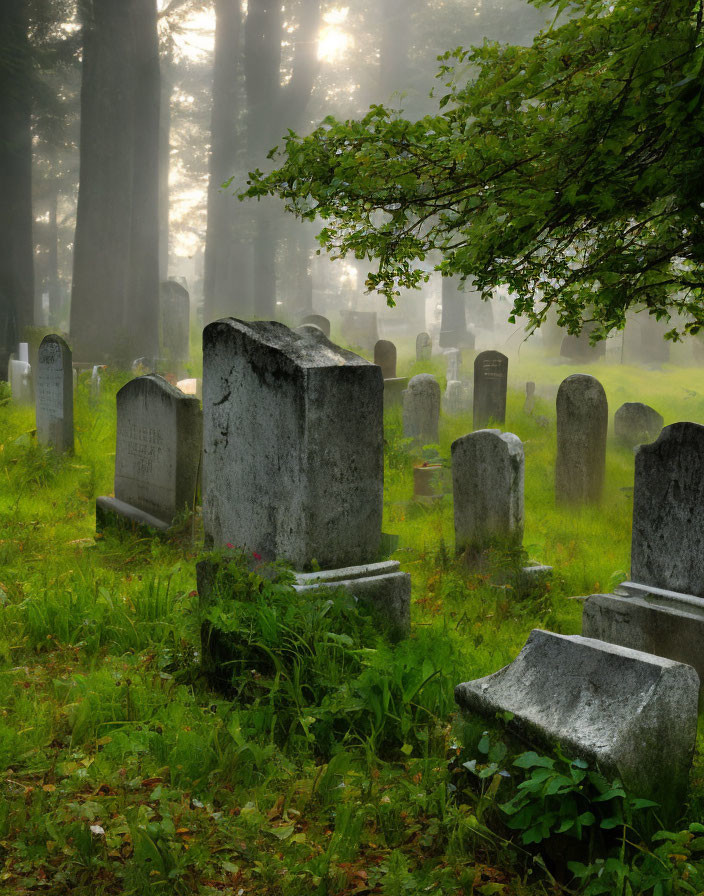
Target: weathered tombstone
[(421, 409), (424, 347), (175, 307), (487, 484), (385, 357), (636, 423), (159, 437), (490, 384), (293, 456), (54, 387), (453, 358), (582, 424), (457, 398), (631, 713), (360, 328), (529, 403), (317, 320)]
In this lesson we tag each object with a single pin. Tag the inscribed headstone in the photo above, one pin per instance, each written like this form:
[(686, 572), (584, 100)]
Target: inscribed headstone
[(490, 384), (54, 394), (582, 424)]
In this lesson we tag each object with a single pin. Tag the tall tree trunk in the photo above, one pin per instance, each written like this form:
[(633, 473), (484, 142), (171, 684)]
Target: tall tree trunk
[(115, 296), (53, 259), (225, 269), (16, 247), (453, 327), (167, 86)]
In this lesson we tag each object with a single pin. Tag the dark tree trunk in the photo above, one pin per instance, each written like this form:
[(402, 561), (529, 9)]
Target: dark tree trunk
[(115, 296), (53, 286), (164, 167), (16, 247)]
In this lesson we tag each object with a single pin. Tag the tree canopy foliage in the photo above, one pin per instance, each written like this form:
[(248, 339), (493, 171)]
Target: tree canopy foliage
[(570, 171)]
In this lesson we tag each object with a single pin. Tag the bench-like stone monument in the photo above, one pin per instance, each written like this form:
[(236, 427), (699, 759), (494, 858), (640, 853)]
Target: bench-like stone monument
[(54, 399), (632, 714), (490, 384), (582, 424), (159, 437), (661, 609), (293, 457)]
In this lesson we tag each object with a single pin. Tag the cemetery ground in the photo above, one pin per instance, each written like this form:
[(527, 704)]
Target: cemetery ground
[(335, 762)]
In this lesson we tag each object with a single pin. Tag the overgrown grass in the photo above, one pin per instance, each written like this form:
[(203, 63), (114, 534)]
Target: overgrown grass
[(326, 768)]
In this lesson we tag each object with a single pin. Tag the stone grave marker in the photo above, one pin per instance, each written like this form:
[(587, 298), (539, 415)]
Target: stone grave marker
[(631, 713), (490, 384), (529, 403), (54, 399), (19, 376), (457, 398), (159, 438), (293, 455), (453, 358), (582, 424), (385, 357), (636, 423), (175, 308), (487, 484), (424, 347), (317, 320), (421, 409)]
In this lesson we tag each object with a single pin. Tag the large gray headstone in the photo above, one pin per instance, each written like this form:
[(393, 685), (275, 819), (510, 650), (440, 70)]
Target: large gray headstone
[(54, 394), (633, 714), (487, 484), (490, 383), (293, 445), (424, 347), (582, 425), (385, 357), (636, 423), (667, 549), (158, 447), (421, 409), (175, 320)]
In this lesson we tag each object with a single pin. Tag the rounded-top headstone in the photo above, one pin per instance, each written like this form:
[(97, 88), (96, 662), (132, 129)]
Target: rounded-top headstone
[(421, 409), (490, 384), (667, 549), (582, 424), (54, 408), (175, 306), (636, 423), (424, 347), (487, 484), (317, 320), (385, 357)]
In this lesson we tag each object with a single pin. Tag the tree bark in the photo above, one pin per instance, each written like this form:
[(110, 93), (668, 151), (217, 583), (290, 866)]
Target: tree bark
[(16, 247), (115, 295)]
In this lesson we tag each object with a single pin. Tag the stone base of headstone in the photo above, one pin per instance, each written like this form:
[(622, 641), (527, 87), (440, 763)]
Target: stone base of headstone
[(393, 391), (632, 714), (532, 579), (111, 513), (382, 586), (429, 482), (654, 620)]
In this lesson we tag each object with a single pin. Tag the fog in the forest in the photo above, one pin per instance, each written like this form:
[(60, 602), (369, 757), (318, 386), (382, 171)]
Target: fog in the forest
[(124, 120)]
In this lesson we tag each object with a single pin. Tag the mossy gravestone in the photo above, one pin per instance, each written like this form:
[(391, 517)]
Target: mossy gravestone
[(54, 394), (582, 424), (159, 437), (490, 383)]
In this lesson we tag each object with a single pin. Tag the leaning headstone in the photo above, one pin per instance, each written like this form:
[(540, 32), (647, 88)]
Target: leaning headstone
[(453, 358), (529, 403), (54, 408), (490, 384), (157, 455), (360, 328), (661, 610), (636, 423), (424, 347), (632, 714), (293, 453), (487, 484), (582, 424), (175, 307), (385, 357), (317, 320), (421, 409)]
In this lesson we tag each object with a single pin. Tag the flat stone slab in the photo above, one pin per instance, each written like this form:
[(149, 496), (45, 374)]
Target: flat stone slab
[(113, 513), (654, 620), (382, 586), (632, 713)]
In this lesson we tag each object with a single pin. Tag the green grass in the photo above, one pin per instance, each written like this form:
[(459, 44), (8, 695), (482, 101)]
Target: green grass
[(123, 771)]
